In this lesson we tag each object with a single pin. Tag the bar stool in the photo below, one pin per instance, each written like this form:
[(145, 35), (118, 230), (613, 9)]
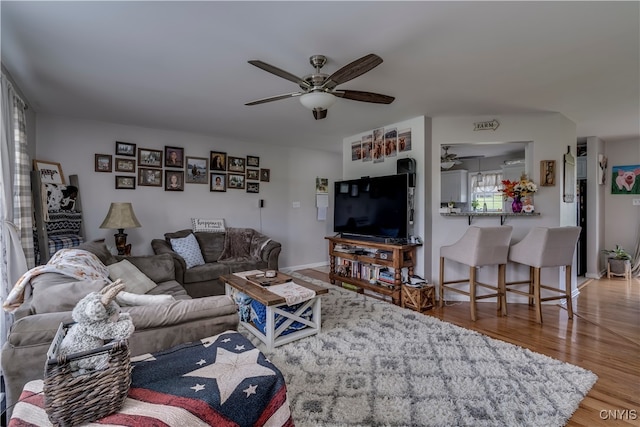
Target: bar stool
[(545, 247), (479, 246)]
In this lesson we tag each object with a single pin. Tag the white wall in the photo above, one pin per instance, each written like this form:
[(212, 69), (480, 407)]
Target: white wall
[(621, 218), (73, 144), (420, 132), (550, 135)]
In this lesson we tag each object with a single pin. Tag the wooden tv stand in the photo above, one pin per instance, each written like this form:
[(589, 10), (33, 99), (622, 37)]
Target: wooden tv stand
[(397, 257)]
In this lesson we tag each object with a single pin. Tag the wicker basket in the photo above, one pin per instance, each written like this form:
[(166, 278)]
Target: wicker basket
[(75, 399)]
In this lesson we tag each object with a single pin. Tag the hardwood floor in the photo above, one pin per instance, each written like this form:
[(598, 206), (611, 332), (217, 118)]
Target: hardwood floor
[(604, 337)]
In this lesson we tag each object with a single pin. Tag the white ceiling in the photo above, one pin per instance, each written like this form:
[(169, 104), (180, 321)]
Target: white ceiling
[(183, 65)]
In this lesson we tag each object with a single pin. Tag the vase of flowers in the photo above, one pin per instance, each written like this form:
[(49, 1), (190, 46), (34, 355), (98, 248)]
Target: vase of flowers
[(516, 190)]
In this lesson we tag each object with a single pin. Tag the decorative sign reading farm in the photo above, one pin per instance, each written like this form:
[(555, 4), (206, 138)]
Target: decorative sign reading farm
[(492, 125)]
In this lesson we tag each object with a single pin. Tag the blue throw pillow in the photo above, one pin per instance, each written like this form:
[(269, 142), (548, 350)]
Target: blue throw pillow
[(189, 249)]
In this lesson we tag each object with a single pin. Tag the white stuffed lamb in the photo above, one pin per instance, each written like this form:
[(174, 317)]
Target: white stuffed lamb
[(98, 318)]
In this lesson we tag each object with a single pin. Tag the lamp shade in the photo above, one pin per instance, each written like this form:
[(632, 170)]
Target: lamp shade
[(317, 100), (120, 215)]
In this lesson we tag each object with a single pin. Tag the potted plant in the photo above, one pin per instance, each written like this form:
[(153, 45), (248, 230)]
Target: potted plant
[(619, 260)]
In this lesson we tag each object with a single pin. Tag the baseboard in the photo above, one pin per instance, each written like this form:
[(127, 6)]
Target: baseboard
[(302, 267)]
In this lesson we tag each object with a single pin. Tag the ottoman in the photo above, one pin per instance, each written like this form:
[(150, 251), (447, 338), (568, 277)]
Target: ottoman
[(222, 380)]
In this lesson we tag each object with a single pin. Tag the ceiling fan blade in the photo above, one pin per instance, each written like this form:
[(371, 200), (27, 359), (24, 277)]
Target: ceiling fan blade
[(280, 73), (353, 70), (319, 114), (357, 95), (274, 98)]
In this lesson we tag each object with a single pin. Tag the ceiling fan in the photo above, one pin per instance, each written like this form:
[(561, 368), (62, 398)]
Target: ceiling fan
[(319, 89), (449, 160)]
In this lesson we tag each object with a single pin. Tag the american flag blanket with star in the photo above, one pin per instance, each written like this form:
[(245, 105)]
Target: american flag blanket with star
[(218, 381)]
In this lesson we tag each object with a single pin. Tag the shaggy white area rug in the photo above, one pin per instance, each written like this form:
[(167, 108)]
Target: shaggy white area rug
[(376, 364)]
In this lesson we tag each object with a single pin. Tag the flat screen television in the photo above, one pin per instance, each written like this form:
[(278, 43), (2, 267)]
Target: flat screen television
[(374, 207)]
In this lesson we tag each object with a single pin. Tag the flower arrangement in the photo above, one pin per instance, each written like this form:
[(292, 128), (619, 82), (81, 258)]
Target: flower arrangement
[(518, 189)]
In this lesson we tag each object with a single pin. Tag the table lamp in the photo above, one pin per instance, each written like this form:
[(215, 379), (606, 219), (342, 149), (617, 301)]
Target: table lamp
[(120, 216)]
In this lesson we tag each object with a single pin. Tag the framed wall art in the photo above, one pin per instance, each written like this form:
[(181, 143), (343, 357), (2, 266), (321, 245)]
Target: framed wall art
[(253, 174), (150, 177), (174, 157), (125, 182), (149, 158), (253, 187), (569, 181), (218, 161), (125, 149), (125, 165), (103, 163), (235, 164), (625, 179), (265, 175), (253, 162), (174, 180), (50, 172), (235, 181), (547, 173), (218, 182), (197, 170)]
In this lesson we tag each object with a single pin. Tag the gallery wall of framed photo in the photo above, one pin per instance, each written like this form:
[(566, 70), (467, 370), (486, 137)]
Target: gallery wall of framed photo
[(173, 169)]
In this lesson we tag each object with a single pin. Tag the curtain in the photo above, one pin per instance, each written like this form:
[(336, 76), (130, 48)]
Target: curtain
[(491, 183), (16, 218)]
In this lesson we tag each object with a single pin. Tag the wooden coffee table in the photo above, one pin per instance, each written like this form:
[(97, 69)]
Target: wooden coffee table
[(273, 303)]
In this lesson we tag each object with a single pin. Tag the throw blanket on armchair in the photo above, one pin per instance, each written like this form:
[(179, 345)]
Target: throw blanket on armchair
[(75, 263), (242, 244)]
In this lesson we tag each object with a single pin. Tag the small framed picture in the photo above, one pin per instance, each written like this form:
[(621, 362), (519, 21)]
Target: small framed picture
[(196, 170), (218, 161), (174, 157), (125, 182), (547, 173), (265, 175), (149, 158), (235, 181), (125, 149), (173, 180), (253, 187), (235, 164), (218, 182), (253, 174), (150, 177), (253, 161), (103, 163), (50, 172), (125, 165)]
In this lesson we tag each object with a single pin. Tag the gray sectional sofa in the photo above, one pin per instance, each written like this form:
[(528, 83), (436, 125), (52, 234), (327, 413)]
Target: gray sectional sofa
[(157, 327), (237, 249)]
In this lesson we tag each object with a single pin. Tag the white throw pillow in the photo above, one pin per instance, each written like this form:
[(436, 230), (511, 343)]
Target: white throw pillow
[(208, 225), (127, 298), (134, 280), (189, 249)]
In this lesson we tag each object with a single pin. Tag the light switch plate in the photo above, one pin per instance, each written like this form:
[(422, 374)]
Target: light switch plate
[(296, 204), (636, 202)]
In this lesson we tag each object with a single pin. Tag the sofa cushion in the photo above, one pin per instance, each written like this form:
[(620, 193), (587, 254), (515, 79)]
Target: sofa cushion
[(189, 249), (159, 268), (135, 281), (211, 245), (237, 244), (62, 296), (172, 288), (100, 250), (235, 266), (206, 272)]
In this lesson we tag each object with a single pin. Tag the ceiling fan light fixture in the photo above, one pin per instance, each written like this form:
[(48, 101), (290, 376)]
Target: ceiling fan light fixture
[(317, 100), (448, 164)]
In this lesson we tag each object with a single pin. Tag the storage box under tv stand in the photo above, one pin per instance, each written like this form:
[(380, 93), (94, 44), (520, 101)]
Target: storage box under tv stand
[(398, 256)]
